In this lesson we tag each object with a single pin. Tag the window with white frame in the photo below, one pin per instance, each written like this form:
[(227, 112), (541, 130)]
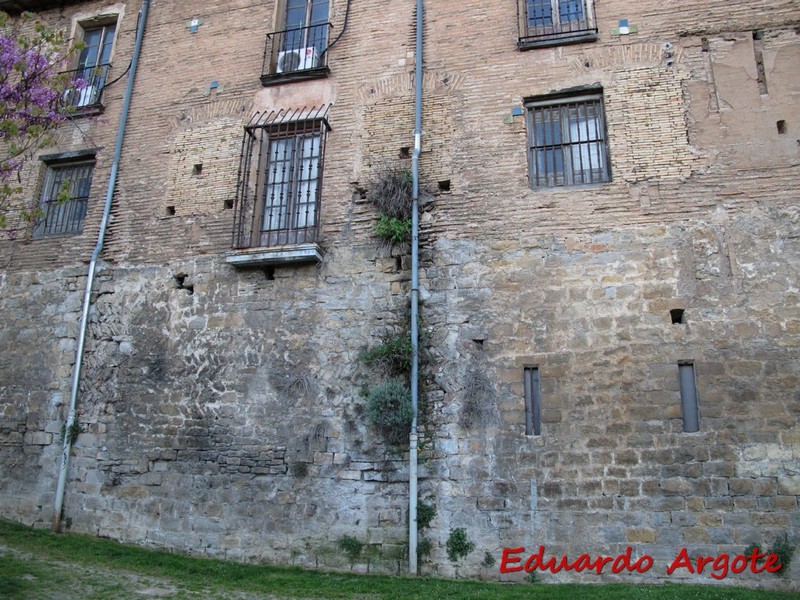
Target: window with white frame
[(550, 22), (94, 62), (64, 199), (567, 141)]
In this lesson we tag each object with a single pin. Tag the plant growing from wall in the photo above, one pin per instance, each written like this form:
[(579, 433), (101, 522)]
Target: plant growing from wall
[(350, 546), (426, 513), (389, 410), (390, 192), (458, 544), (393, 355), (782, 548), (392, 229), (424, 549)]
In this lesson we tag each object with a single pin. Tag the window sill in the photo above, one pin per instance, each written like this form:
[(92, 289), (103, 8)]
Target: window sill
[(90, 110), (558, 39), (269, 79), (254, 257)]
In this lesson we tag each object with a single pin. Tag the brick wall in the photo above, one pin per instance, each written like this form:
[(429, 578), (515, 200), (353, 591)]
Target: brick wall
[(207, 387)]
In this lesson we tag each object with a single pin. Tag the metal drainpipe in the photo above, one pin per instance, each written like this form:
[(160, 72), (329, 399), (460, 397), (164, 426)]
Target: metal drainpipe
[(412, 451), (76, 374)]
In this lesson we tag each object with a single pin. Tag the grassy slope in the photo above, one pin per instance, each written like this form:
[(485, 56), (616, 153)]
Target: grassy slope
[(52, 555)]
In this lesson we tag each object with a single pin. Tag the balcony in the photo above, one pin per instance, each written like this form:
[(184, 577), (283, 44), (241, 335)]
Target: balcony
[(556, 22), (86, 95), (296, 55)]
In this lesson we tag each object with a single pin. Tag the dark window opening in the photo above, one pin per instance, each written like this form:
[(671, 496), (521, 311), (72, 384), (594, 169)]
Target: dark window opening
[(64, 200), (444, 185), (781, 125), (567, 141), (551, 22), (533, 401), (170, 211), (197, 169), (676, 314), (689, 408)]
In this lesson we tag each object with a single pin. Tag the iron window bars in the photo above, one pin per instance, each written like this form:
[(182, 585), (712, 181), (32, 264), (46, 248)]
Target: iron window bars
[(550, 22), (280, 178), (65, 197), (567, 141)]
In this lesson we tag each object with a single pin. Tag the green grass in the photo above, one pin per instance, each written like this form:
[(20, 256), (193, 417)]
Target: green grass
[(40, 564)]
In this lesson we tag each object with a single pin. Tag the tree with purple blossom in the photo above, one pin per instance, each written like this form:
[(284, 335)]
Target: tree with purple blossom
[(32, 91)]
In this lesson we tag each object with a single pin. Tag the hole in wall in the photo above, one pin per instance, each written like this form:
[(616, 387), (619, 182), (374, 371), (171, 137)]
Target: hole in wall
[(180, 283), (676, 314), (197, 169), (781, 125), (704, 44), (405, 152), (444, 185), (398, 263), (170, 211), (478, 343), (228, 203), (269, 272)]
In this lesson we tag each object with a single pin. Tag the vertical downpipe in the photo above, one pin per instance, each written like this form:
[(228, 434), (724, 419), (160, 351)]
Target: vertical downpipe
[(76, 374), (412, 451)]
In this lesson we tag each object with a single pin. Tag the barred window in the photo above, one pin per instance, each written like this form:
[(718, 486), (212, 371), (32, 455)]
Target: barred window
[(293, 173), (280, 179), (65, 196), (551, 22), (567, 141)]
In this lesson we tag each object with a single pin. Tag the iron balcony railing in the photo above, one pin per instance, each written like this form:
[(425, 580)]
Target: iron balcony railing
[(88, 86), (280, 179), (557, 21), (296, 53)]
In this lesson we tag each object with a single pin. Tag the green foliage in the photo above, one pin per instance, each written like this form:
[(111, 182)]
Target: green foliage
[(32, 88), (393, 355), (300, 469), (389, 409), (71, 434), (426, 513), (424, 549), (533, 577), (488, 560), (784, 551), (458, 544), (781, 548), (350, 546), (392, 229), (43, 564)]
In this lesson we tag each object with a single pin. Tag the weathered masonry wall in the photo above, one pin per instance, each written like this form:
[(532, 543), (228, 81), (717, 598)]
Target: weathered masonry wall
[(222, 411)]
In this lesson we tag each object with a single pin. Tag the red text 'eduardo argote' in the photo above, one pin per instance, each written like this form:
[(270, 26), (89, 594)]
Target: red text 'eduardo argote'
[(720, 565)]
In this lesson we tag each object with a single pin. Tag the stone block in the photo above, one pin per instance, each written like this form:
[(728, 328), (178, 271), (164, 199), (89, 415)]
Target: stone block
[(38, 438)]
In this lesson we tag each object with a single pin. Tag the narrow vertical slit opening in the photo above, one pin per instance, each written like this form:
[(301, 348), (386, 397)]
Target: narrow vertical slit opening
[(533, 401), (781, 125), (689, 407), (761, 73)]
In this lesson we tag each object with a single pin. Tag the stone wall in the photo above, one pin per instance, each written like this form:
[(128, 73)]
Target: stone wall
[(222, 410)]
